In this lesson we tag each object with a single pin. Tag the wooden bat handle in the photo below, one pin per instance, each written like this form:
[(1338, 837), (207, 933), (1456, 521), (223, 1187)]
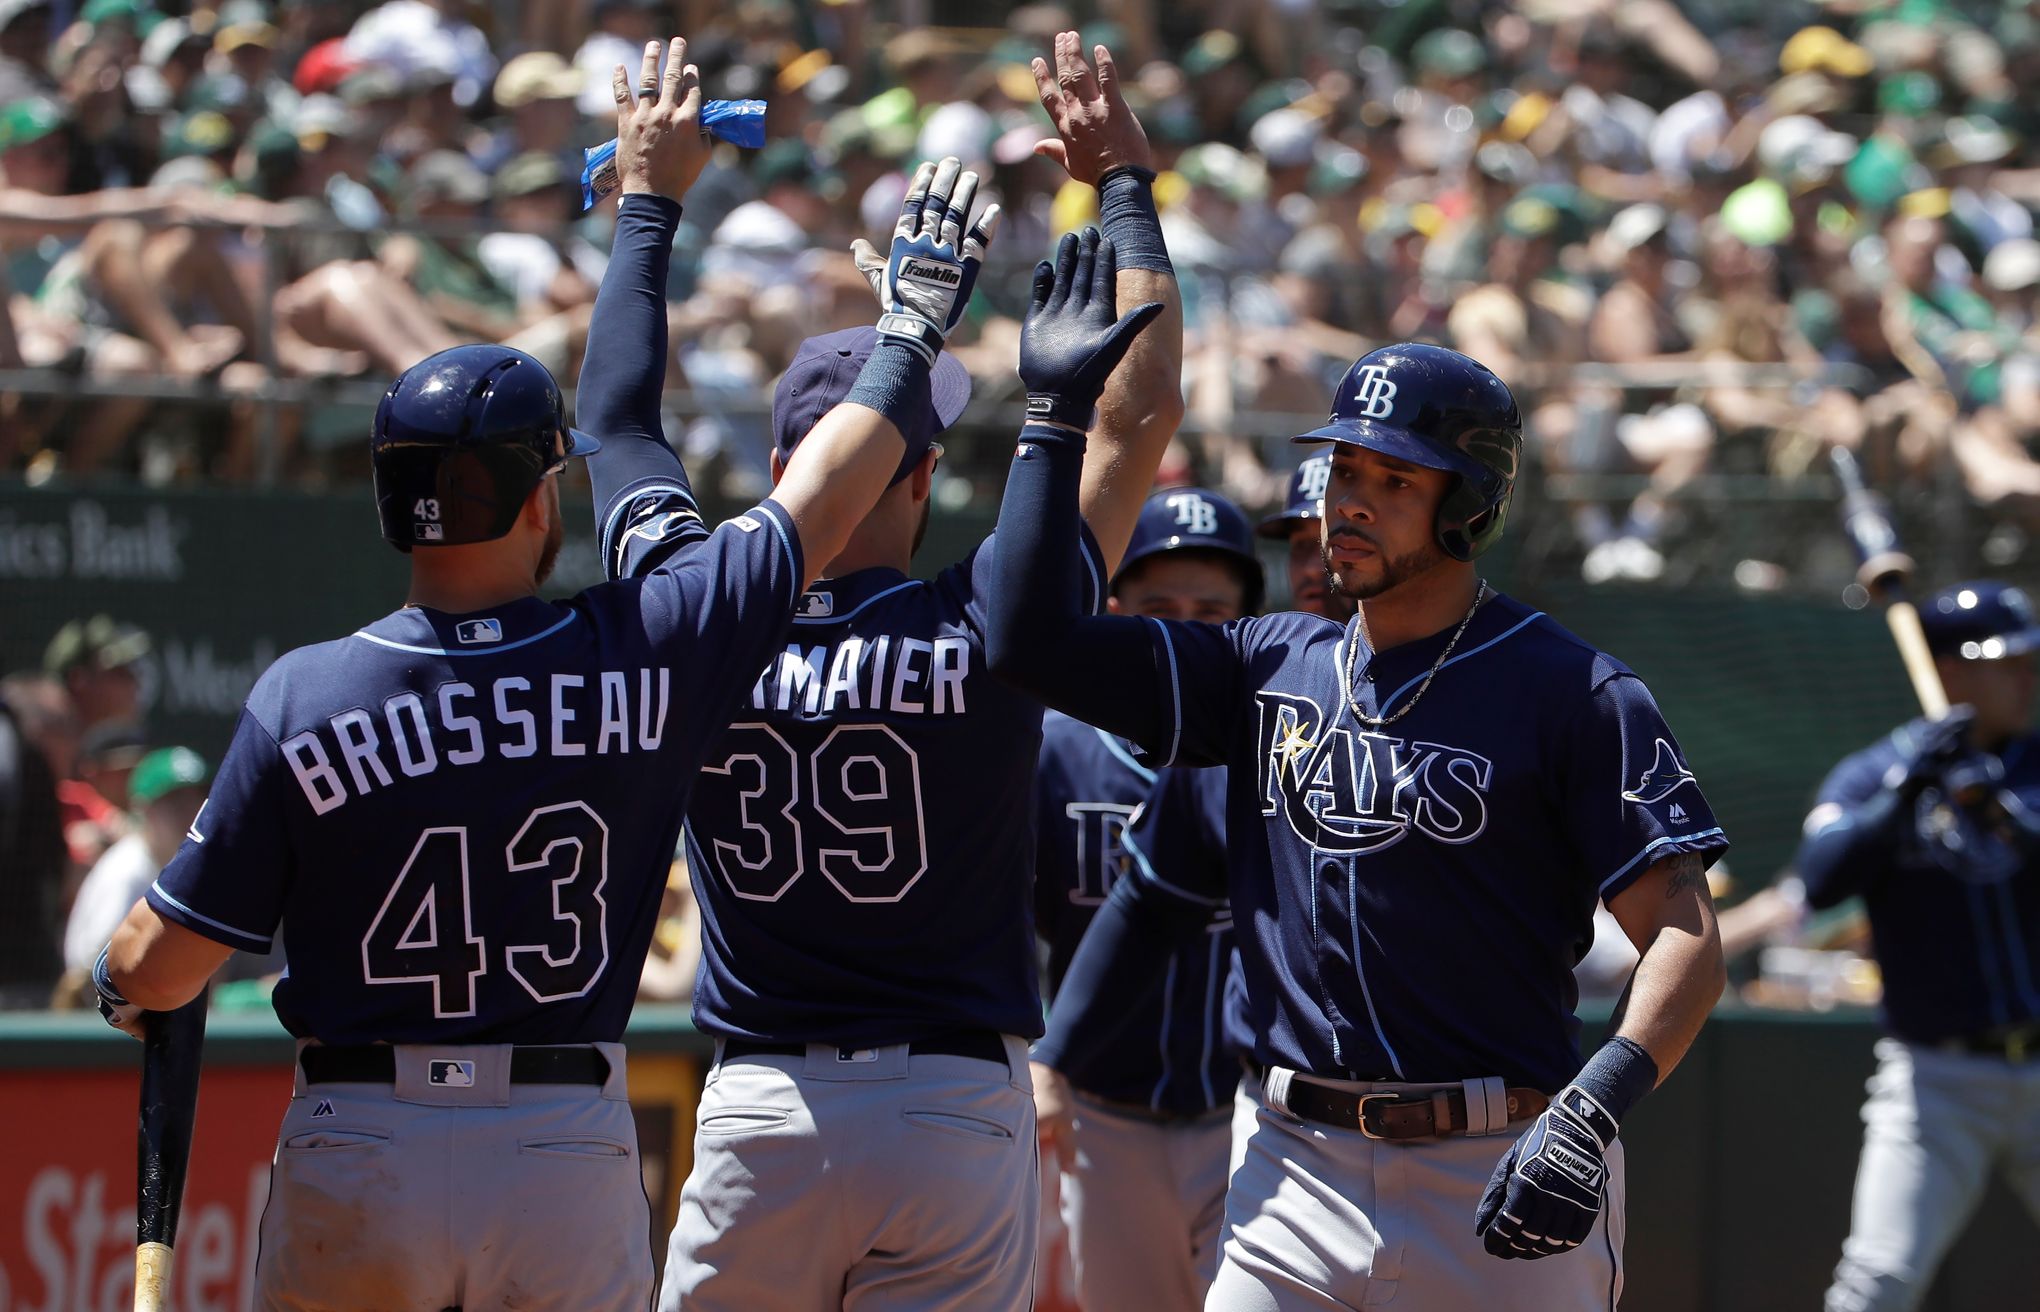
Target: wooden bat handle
[(1919, 661), (152, 1277)]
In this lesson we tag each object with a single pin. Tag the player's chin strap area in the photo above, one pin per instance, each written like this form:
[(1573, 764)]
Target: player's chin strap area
[(1399, 1113)]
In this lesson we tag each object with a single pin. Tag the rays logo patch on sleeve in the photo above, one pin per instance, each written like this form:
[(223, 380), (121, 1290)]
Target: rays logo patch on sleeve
[(1666, 775)]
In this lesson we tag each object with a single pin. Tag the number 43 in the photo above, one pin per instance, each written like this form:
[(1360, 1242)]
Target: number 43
[(424, 932)]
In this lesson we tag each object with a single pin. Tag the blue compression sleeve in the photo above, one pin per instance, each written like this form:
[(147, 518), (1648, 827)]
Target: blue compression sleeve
[(1100, 669), (624, 375), (1619, 1073), (1126, 214), (895, 381), (1123, 952), (1838, 860)]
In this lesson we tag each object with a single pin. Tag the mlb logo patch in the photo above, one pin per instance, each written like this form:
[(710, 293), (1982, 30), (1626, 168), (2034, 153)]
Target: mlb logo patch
[(746, 523), (474, 632), (816, 605), (450, 1074), (430, 533)]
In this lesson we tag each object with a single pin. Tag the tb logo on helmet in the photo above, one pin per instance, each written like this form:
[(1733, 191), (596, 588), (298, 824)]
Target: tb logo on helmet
[(1313, 474), (1374, 390), (1198, 517)]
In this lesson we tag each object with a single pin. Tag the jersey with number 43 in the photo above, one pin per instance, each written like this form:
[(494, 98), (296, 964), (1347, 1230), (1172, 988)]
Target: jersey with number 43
[(862, 839), (465, 822)]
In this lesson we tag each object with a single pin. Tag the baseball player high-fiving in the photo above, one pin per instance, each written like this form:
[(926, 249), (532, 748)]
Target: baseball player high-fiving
[(861, 839), (464, 812), (1424, 805)]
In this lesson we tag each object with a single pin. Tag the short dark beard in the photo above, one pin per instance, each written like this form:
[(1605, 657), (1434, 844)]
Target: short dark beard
[(1395, 571), (549, 555)]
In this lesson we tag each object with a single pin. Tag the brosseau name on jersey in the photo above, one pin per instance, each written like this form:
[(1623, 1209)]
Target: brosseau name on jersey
[(908, 676), (460, 723)]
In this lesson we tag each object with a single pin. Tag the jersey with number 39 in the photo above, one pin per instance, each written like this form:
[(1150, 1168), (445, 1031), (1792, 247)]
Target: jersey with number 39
[(862, 839), (465, 822)]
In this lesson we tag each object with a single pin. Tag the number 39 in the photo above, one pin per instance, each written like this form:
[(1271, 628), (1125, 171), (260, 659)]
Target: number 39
[(859, 816)]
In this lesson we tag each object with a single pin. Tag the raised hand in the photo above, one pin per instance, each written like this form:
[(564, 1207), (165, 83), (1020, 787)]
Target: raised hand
[(1073, 339), (1095, 131), (924, 282), (659, 143)]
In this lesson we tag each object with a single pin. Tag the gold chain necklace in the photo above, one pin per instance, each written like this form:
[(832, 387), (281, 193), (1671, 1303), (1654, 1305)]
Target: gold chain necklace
[(1480, 594)]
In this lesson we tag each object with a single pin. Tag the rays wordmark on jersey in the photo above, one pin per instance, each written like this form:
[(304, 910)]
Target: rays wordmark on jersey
[(1348, 791)]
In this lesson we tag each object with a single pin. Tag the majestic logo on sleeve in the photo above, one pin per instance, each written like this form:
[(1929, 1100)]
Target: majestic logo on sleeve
[(1350, 792), (1197, 517), (1375, 392), (1667, 774)]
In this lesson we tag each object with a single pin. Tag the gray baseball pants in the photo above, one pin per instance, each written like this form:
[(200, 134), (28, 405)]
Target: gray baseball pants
[(871, 1181), (416, 1196), (1145, 1206), (1934, 1128), (1320, 1219)]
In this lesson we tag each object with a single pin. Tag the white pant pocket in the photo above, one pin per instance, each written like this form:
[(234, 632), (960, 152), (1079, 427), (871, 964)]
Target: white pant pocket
[(332, 1139), (961, 1124), (592, 1146)]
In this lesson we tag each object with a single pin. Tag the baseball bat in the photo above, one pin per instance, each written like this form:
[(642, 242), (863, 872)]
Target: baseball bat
[(1884, 570), (170, 1060)]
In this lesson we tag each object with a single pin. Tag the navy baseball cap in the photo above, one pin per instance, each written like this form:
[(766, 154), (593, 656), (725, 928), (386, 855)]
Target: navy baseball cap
[(826, 368), (1980, 621), (1306, 499), (1195, 519)]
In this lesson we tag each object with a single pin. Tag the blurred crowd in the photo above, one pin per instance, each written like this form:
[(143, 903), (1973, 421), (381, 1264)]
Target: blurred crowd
[(1694, 236)]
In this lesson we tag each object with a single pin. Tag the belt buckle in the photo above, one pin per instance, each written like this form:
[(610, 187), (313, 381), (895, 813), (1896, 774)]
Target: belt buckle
[(1360, 1114)]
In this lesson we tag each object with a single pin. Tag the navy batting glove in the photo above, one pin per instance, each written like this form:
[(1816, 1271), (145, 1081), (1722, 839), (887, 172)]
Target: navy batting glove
[(1074, 338), (1932, 748), (123, 1015), (924, 282), (1546, 1194)]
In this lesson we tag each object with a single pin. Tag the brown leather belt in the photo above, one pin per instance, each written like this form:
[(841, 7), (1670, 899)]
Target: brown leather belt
[(1399, 1117)]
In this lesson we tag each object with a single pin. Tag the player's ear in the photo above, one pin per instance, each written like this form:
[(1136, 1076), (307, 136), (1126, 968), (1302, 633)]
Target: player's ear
[(778, 467), (923, 477)]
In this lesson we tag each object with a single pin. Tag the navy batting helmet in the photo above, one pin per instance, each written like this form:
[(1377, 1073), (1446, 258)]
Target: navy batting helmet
[(461, 439), (1193, 519), (1980, 621), (1440, 410), (1306, 500)]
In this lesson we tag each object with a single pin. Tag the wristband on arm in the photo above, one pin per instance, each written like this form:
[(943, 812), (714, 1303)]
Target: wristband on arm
[(1126, 215)]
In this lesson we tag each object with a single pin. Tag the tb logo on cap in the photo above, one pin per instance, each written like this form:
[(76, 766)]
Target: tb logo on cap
[(1375, 391), (1197, 517)]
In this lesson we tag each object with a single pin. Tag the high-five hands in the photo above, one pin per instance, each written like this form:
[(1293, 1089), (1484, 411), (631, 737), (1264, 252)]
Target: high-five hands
[(1095, 131), (923, 283), (659, 143), (1073, 338)]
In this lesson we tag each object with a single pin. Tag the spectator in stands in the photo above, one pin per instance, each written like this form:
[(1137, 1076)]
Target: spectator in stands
[(1637, 322), (97, 661), (164, 796), (412, 37), (536, 91), (87, 823)]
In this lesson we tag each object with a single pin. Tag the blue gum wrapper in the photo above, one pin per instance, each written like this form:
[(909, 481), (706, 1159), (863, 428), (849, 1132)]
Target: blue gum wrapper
[(739, 122)]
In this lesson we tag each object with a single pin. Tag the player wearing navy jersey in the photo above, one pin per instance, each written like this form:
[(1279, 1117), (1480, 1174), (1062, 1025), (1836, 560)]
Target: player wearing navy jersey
[(860, 840), (1297, 526), (1137, 1108), (1423, 807), (1937, 828), (463, 813)]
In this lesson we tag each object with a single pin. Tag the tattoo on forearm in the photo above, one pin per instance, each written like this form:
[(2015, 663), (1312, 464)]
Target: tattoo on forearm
[(1684, 871)]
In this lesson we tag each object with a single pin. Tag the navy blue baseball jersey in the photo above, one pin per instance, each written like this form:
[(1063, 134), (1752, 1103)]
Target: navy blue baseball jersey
[(1166, 1048), (466, 821), (1958, 936), (1422, 890), (862, 837)]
